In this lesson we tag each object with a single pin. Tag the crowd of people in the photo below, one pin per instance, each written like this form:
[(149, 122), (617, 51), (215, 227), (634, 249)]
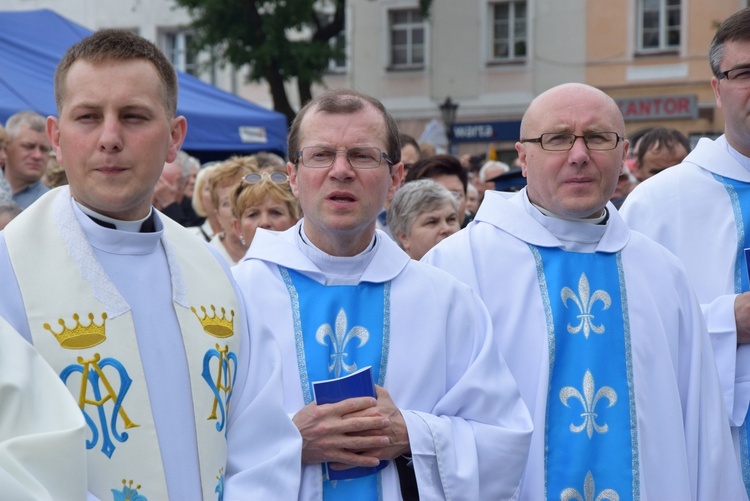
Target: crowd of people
[(166, 325)]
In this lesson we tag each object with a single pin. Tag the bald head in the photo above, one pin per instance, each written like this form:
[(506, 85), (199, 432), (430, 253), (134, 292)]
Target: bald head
[(575, 173), (567, 96)]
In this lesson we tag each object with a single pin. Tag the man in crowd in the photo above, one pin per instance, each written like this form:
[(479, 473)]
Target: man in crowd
[(27, 153), (169, 194), (138, 317), (658, 149), (599, 325), (344, 297), (700, 211), (448, 171)]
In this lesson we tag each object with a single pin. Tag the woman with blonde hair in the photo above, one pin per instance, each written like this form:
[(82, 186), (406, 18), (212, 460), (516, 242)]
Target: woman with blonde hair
[(225, 178), (202, 204), (263, 200)]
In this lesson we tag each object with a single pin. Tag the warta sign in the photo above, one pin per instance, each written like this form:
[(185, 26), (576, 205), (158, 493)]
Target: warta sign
[(658, 107), (486, 131)]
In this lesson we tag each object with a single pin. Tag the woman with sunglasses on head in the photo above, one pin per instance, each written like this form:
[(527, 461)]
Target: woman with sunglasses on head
[(226, 177), (263, 200)]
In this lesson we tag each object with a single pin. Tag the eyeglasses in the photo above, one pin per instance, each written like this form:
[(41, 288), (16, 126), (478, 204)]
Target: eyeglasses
[(556, 141), (274, 177), (359, 157), (741, 74)]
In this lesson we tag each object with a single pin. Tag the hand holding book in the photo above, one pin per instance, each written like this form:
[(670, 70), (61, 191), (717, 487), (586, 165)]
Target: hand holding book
[(356, 384)]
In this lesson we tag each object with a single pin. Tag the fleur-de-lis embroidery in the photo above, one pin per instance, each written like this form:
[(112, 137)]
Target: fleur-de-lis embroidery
[(589, 489), (589, 401), (585, 305), (339, 340)]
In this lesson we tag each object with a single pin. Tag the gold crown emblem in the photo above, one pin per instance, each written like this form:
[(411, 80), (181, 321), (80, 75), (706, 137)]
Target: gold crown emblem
[(217, 326), (80, 336)]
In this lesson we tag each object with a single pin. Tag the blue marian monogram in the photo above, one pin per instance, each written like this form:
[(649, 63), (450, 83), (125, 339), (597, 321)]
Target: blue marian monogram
[(92, 372), (223, 384)]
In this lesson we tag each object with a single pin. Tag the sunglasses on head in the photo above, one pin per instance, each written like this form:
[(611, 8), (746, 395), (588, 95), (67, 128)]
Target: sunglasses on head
[(274, 177)]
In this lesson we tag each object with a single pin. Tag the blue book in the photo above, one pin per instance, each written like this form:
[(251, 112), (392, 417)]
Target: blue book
[(357, 384)]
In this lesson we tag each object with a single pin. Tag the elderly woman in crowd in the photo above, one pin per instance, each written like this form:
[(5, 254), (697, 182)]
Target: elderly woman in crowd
[(421, 214), (263, 200), (202, 204), (224, 179)]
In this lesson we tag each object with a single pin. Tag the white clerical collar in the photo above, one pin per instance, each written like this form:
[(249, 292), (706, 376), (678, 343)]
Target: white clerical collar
[(575, 235), (339, 270), (741, 159), (133, 226)]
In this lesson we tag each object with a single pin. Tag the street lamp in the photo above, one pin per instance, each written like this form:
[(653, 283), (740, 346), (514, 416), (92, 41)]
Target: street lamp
[(448, 112)]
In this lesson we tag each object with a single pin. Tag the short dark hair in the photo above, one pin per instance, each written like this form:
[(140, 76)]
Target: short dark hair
[(661, 137), (118, 45), (407, 139), (345, 101), (734, 28), (438, 165)]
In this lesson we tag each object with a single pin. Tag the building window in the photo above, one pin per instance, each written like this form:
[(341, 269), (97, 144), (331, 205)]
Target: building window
[(178, 48), (509, 35), (659, 25), (407, 38), (336, 64)]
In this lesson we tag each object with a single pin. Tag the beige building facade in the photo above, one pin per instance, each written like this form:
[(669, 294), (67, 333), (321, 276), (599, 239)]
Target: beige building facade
[(491, 57)]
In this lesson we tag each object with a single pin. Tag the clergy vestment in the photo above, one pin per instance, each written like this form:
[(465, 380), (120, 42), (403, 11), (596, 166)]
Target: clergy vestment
[(677, 431), (695, 210), (468, 429), (175, 354), (42, 451)]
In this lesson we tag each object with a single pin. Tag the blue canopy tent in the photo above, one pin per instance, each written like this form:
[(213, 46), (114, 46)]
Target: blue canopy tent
[(220, 124)]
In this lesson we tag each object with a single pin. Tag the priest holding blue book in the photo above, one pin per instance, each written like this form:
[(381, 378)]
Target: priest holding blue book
[(339, 296)]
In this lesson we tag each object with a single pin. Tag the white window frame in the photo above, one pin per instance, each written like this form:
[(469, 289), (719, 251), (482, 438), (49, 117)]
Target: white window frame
[(512, 38), (410, 28), (663, 11), (175, 44)]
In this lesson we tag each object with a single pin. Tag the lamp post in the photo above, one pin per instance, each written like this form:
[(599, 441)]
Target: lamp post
[(448, 112)]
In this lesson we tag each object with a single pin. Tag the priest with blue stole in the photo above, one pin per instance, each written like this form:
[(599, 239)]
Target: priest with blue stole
[(599, 324), (339, 296), (700, 211)]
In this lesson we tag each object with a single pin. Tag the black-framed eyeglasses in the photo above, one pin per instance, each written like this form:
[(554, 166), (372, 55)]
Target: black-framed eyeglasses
[(736, 74), (560, 141), (275, 177), (359, 157)]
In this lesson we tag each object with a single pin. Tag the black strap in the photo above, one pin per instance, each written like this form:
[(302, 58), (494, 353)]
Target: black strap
[(105, 224), (407, 479), (148, 226)]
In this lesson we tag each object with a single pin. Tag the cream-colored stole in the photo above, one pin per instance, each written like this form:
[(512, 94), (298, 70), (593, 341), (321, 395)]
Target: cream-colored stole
[(84, 329)]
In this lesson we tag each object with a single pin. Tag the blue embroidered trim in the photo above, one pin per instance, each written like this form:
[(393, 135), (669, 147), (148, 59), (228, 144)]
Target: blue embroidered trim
[(298, 341), (631, 387)]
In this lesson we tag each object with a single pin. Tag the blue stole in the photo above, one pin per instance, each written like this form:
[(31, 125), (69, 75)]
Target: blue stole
[(591, 442), (339, 329), (739, 194)]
